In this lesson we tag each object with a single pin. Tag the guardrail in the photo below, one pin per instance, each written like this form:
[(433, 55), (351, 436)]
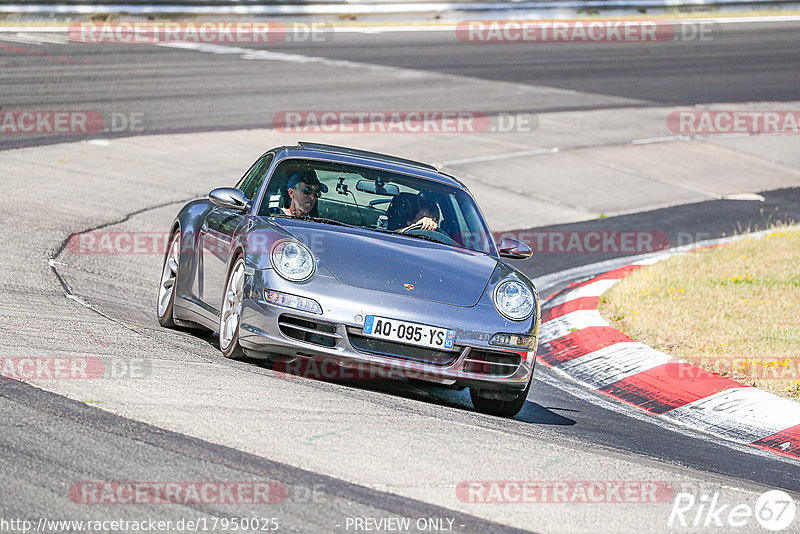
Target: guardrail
[(344, 7)]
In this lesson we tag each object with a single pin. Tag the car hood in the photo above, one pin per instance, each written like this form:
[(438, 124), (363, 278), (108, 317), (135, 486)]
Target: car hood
[(397, 264)]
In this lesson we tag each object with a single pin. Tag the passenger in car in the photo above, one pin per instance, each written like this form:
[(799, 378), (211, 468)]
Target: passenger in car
[(427, 214), (407, 210), (401, 208)]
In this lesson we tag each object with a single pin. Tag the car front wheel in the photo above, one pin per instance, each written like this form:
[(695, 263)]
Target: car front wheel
[(501, 408), (169, 276), (231, 316)]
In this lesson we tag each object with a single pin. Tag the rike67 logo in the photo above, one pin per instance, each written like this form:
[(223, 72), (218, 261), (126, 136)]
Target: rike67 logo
[(774, 510)]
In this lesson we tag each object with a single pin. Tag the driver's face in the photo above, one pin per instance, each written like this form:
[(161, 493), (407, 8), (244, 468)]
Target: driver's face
[(303, 198), (421, 214)]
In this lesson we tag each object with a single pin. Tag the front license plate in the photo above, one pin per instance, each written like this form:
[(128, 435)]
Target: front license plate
[(411, 333)]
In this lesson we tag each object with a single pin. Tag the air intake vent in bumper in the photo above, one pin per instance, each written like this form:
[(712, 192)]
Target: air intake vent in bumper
[(316, 332), (495, 363)]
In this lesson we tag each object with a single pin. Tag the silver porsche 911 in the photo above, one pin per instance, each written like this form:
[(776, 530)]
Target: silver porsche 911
[(363, 259)]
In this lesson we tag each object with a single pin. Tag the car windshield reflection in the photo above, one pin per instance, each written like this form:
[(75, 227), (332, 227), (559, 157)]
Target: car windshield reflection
[(376, 200)]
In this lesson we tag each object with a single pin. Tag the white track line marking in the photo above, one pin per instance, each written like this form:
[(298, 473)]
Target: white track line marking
[(267, 55), (594, 289), (745, 414), (558, 379), (615, 362), (569, 323), (33, 38), (496, 157)]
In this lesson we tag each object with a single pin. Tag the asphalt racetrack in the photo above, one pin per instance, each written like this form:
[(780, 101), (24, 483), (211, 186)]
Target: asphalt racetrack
[(179, 92), (597, 155)]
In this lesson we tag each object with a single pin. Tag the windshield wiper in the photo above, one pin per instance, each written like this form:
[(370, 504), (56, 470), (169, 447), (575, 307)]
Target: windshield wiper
[(327, 221), (418, 236), (313, 219)]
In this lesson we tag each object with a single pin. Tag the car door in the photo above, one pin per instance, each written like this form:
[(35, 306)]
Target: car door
[(218, 234)]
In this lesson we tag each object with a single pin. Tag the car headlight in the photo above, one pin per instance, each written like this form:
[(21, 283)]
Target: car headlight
[(292, 260), (514, 300)]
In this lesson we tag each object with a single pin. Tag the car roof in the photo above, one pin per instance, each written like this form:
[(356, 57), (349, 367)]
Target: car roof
[(354, 156)]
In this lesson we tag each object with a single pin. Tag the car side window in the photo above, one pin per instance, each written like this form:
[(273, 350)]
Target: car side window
[(252, 181)]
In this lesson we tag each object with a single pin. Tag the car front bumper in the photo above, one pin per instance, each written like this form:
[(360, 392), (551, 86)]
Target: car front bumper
[(268, 329)]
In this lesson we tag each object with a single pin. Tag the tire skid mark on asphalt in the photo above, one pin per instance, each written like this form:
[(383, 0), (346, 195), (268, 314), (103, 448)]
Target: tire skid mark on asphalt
[(70, 294), (162, 336), (578, 342), (25, 51), (206, 456)]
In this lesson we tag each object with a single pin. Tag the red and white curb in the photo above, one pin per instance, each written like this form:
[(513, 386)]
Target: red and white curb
[(576, 340)]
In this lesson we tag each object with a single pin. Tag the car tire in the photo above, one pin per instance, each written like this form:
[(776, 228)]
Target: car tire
[(169, 278), (500, 408), (230, 317)]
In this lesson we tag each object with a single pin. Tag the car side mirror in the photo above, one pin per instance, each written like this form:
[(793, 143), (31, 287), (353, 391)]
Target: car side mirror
[(229, 197), (513, 249)]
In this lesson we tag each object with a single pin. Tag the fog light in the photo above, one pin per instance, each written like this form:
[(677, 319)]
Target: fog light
[(292, 301), (517, 341)]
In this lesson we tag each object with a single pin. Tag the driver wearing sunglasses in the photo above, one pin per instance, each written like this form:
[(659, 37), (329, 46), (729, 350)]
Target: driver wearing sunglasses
[(304, 189)]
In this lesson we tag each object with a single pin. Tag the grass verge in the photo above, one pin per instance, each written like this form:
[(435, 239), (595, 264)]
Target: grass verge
[(732, 309)]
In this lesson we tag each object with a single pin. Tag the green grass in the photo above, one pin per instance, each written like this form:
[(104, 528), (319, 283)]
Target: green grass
[(733, 309)]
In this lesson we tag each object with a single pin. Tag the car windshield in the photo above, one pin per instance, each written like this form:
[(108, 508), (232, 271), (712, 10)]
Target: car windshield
[(377, 200)]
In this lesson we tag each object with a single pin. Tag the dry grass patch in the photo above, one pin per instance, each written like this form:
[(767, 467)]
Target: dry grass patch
[(733, 309)]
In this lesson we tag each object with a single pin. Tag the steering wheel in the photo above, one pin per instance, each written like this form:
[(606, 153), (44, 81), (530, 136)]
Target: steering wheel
[(438, 234), (415, 226)]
